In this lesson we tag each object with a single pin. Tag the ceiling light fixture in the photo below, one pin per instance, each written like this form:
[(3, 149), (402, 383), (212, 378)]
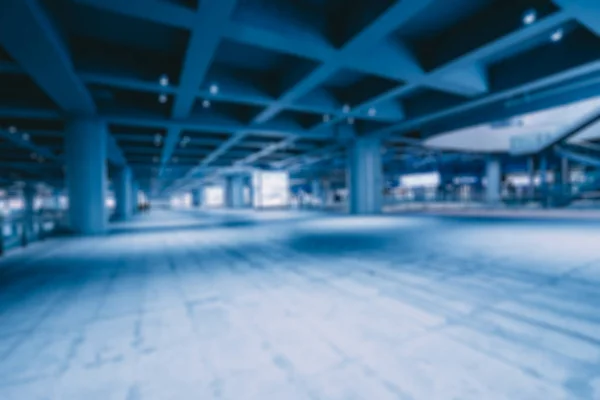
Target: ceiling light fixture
[(351, 121), (206, 103), (326, 117), (214, 89), (372, 112), (155, 159), (162, 98), (12, 129), (557, 35), (164, 80), (529, 17), (25, 136), (346, 108)]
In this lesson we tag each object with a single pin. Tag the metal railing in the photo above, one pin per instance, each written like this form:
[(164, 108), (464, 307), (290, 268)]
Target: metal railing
[(19, 230)]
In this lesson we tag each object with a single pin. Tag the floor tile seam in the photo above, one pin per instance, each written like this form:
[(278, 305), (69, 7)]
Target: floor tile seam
[(517, 340)]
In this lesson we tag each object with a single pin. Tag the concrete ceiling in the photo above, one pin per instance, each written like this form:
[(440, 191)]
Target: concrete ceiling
[(189, 87)]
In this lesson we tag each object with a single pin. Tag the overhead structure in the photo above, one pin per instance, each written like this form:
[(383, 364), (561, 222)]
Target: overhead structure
[(189, 88)]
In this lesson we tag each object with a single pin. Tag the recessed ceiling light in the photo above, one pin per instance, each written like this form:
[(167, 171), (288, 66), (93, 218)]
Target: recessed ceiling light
[(351, 121), (186, 139), (206, 103), (326, 117), (557, 35), (529, 17), (12, 129), (25, 136), (164, 80), (162, 98), (214, 89), (346, 108), (372, 112)]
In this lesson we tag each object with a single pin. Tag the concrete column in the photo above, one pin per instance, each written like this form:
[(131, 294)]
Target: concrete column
[(543, 172), (365, 176), (318, 192), (531, 173), (135, 189), (493, 176), (234, 191), (123, 194), (29, 193), (565, 171), (85, 154), (251, 191), (197, 197)]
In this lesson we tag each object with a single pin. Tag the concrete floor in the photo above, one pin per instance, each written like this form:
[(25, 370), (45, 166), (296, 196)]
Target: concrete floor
[(281, 305)]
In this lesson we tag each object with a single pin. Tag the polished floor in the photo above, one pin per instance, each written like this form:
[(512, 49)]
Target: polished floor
[(284, 305)]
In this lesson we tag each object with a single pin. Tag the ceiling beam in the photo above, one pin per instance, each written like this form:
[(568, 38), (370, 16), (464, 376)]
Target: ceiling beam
[(17, 140), (208, 27), (158, 11), (28, 35), (332, 61), (585, 11)]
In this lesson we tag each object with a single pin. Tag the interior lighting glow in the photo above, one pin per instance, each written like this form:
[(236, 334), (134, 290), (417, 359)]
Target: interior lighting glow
[(214, 89), (372, 112), (164, 80), (25, 137), (346, 108), (12, 129), (557, 35), (326, 118), (529, 17), (206, 104), (351, 121), (162, 98), (431, 179)]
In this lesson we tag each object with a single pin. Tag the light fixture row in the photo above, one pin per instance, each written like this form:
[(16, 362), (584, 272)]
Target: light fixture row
[(530, 16), (163, 81), (371, 112)]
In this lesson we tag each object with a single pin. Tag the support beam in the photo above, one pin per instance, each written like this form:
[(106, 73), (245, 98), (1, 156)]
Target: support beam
[(493, 174), (27, 34), (209, 24), (197, 197), (234, 191), (85, 153), (135, 191), (122, 184), (365, 176)]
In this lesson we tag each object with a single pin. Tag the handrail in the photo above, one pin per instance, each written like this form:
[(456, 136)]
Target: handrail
[(21, 230)]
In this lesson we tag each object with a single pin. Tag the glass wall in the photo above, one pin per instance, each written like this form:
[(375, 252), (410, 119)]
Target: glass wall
[(271, 189)]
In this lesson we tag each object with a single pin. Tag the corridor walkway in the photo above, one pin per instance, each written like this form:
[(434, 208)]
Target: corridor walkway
[(289, 306)]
